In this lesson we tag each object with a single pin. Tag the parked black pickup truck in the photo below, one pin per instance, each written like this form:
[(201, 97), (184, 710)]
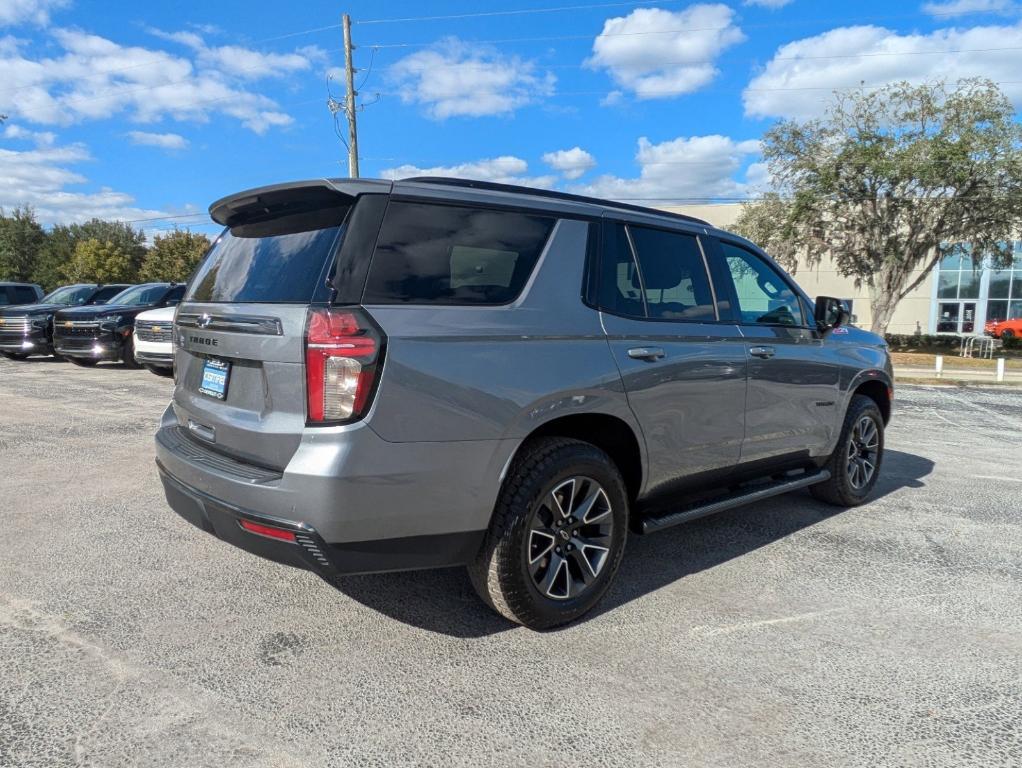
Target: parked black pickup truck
[(87, 335), (27, 329)]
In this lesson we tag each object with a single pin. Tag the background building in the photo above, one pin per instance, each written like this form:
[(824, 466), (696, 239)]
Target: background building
[(954, 298)]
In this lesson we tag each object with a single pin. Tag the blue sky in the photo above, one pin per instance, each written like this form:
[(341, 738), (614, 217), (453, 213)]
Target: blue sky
[(148, 110)]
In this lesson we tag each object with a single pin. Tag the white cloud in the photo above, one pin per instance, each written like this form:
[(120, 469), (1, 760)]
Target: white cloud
[(799, 80), (506, 169), (686, 168), (456, 79), (572, 163), (161, 140), (41, 178), (95, 78), (965, 7), (41, 138), (659, 54), (30, 11), (771, 4), (243, 62)]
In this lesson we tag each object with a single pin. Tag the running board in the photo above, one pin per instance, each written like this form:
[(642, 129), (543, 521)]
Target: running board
[(776, 488)]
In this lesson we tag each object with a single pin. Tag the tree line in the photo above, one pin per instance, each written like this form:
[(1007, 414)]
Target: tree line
[(97, 251)]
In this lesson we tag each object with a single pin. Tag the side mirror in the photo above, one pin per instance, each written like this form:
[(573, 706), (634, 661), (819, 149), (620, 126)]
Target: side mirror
[(830, 313)]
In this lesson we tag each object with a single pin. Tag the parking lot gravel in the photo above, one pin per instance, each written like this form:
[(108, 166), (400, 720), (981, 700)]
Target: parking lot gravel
[(782, 634)]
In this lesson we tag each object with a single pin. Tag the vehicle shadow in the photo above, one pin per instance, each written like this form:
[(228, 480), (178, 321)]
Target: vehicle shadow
[(443, 601)]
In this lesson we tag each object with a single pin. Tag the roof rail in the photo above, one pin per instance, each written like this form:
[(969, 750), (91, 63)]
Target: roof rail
[(516, 189)]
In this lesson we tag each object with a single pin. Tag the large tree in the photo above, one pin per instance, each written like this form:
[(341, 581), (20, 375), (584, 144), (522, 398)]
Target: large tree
[(98, 261), (174, 256), (21, 240), (54, 264), (889, 181)]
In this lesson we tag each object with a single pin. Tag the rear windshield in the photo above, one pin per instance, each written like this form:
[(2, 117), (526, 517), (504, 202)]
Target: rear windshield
[(439, 254), (267, 266)]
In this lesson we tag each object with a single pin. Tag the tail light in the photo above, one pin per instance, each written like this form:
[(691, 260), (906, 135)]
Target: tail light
[(343, 355)]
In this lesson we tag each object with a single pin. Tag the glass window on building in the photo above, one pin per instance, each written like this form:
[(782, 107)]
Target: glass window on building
[(968, 297)]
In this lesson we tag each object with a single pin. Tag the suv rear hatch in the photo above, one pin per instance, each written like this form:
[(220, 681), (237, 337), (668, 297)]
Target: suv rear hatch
[(241, 383)]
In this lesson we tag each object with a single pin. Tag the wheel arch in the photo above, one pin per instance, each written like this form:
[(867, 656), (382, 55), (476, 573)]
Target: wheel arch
[(611, 434), (876, 387)]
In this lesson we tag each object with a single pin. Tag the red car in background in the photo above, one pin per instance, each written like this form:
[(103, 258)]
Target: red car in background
[(1005, 329)]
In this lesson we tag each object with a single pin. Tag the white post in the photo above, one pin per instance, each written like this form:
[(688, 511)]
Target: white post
[(940, 365), (1000, 369)]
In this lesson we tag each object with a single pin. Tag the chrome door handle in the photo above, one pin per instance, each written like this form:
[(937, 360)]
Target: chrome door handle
[(646, 353), (764, 352)]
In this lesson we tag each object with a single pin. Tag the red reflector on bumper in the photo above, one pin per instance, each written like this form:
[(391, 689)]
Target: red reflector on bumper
[(266, 530)]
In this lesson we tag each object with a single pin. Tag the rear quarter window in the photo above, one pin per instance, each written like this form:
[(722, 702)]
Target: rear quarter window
[(441, 254)]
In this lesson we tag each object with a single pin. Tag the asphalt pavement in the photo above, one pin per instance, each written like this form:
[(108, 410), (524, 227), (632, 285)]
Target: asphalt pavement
[(783, 634)]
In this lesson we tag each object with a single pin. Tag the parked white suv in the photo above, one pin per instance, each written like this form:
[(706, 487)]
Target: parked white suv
[(154, 340)]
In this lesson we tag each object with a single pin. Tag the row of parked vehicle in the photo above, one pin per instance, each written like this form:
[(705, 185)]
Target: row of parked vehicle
[(87, 323)]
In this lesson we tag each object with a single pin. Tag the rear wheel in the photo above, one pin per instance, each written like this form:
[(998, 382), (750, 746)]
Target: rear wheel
[(557, 535), (855, 464), (1007, 333), (15, 355), (85, 362)]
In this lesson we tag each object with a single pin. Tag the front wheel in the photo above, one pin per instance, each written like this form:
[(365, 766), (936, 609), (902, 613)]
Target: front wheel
[(855, 464), (128, 354), (557, 535)]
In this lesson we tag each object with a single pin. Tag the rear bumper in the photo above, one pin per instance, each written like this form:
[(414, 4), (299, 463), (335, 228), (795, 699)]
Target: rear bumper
[(309, 550)]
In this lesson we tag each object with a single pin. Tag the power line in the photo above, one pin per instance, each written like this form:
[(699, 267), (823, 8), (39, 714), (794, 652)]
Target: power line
[(512, 12), (676, 92), (588, 36), (589, 6), (714, 60)]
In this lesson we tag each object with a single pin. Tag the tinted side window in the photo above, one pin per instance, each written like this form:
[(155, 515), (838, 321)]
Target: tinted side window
[(24, 295), (763, 297), (673, 275), (620, 287), (105, 294), (174, 295), (4, 298), (438, 254)]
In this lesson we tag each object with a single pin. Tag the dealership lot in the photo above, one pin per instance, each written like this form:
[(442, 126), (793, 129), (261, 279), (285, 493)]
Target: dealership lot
[(787, 633)]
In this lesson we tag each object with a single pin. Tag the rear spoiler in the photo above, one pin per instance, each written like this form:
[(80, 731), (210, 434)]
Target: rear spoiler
[(294, 198)]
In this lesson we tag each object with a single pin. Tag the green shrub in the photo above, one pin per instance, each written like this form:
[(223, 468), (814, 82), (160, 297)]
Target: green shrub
[(942, 344)]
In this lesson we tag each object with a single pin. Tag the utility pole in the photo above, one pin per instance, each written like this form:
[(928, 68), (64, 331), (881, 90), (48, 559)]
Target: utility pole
[(349, 105)]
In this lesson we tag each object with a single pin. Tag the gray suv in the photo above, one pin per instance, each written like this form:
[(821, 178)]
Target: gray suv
[(377, 376)]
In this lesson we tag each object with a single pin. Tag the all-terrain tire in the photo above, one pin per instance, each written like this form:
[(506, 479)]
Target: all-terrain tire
[(128, 354), (500, 573), (840, 490)]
